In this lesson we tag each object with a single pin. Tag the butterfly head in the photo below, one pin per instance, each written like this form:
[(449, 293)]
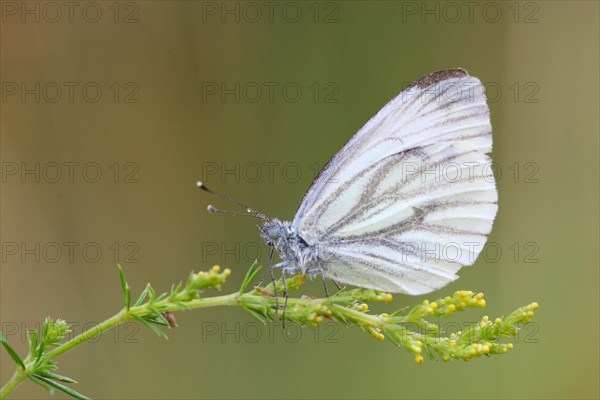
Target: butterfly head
[(274, 231), (294, 250)]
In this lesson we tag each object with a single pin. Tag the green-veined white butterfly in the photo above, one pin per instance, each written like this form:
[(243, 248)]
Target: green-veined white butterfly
[(407, 202)]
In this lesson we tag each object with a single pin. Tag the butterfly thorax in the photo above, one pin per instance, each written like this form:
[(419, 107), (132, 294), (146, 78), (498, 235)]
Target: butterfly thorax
[(296, 253)]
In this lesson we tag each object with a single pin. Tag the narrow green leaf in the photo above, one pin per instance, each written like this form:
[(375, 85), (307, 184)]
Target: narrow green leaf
[(142, 297), (40, 352), (125, 286), (162, 296), (189, 282), (156, 321), (428, 351), (151, 327), (250, 275), (28, 338), (36, 337), (57, 377), (184, 306), (32, 340), (45, 328), (11, 352), (158, 316), (392, 338), (400, 311), (177, 288), (62, 388), (151, 294), (255, 314), (43, 384)]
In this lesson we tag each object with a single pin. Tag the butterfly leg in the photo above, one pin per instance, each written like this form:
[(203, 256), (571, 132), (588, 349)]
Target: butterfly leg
[(337, 284), (285, 268), (274, 288), (319, 271), (268, 267), (285, 295), (270, 271), (324, 283)]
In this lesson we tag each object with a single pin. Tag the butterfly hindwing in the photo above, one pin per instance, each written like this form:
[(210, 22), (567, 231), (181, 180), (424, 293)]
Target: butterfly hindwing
[(411, 197)]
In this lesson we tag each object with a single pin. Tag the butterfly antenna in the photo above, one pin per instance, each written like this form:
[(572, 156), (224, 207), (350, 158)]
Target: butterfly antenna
[(324, 283), (249, 211), (212, 209)]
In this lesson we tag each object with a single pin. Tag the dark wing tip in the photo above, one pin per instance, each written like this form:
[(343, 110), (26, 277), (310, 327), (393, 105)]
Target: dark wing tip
[(439, 76)]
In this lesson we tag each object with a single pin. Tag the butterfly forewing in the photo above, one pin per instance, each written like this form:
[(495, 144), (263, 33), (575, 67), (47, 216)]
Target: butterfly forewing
[(411, 197)]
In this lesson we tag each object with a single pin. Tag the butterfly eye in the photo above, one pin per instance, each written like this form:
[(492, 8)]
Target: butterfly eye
[(270, 232), (273, 234)]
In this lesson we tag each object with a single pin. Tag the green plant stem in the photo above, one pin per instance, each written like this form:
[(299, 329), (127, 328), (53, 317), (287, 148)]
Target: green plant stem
[(265, 304), (18, 377), (122, 316), (119, 318)]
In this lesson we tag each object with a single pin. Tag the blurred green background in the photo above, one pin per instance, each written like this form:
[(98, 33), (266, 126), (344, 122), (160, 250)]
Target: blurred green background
[(154, 107)]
